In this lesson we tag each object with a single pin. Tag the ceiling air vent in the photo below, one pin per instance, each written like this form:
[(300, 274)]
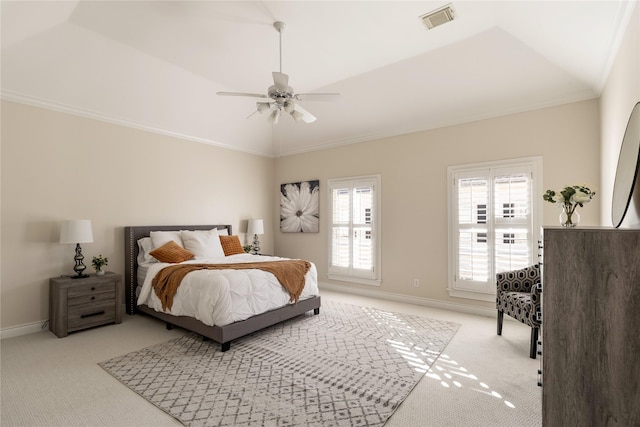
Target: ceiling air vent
[(438, 17)]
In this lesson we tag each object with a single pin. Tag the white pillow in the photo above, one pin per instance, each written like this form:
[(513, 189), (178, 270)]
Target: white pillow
[(202, 243), (223, 232), (145, 245), (159, 238)]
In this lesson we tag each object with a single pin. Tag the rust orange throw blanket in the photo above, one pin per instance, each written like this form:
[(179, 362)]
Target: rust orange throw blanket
[(290, 274)]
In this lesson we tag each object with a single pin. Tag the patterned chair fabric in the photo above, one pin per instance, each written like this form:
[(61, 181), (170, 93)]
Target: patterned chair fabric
[(518, 296)]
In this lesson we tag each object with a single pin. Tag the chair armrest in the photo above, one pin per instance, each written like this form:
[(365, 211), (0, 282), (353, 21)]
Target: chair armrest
[(523, 280), (536, 300)]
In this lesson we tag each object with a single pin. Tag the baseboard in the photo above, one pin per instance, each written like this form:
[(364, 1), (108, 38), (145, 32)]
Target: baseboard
[(426, 302), (29, 328)]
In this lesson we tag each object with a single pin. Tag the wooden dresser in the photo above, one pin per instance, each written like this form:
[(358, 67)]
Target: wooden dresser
[(76, 304), (591, 327)]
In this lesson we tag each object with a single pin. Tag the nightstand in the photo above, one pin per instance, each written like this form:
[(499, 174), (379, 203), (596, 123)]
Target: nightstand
[(76, 304)]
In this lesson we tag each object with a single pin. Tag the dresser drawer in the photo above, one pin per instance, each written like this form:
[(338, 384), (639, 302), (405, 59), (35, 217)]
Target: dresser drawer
[(91, 288), (96, 297), (85, 316)]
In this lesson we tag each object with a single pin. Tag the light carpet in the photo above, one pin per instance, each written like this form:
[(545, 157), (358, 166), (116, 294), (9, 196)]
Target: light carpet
[(347, 366)]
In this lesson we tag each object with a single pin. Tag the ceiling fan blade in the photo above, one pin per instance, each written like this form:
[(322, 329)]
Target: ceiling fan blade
[(316, 96), (281, 81), (303, 114), (252, 95)]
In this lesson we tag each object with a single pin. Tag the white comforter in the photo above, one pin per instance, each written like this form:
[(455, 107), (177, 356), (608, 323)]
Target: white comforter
[(221, 297)]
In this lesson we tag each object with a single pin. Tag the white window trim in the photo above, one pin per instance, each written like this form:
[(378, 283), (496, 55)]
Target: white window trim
[(535, 162), (377, 255)]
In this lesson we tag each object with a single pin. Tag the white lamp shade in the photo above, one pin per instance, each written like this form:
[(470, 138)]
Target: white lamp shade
[(76, 231), (256, 226)]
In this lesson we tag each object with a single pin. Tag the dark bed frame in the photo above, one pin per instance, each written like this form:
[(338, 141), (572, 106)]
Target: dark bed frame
[(221, 334)]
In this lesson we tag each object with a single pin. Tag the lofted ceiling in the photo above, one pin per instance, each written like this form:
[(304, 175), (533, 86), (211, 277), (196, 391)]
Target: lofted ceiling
[(157, 65)]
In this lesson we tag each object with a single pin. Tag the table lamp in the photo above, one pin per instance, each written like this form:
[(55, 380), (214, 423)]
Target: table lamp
[(77, 231), (255, 227)]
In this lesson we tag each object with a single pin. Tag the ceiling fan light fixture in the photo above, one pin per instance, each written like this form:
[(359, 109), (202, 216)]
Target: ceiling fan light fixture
[(289, 106), (274, 117), (263, 107), (297, 115)]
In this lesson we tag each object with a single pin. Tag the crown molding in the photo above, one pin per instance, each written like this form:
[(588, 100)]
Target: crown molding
[(33, 101)]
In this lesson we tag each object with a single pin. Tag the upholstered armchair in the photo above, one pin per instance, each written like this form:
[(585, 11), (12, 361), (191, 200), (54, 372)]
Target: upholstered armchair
[(518, 295)]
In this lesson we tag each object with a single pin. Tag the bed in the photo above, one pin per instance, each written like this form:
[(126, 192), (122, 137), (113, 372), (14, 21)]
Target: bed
[(222, 334)]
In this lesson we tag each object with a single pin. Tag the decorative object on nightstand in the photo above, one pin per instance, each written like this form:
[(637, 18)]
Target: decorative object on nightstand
[(79, 304), (77, 231), (255, 227), (569, 198), (98, 262)]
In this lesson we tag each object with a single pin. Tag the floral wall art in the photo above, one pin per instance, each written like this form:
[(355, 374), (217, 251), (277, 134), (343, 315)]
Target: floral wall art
[(299, 207)]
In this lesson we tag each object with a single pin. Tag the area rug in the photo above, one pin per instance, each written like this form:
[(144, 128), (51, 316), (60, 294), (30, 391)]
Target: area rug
[(347, 366)]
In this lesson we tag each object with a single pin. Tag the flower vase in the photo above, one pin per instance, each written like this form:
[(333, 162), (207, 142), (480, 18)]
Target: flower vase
[(100, 272), (569, 217)]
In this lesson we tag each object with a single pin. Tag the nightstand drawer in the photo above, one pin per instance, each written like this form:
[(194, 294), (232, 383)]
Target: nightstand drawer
[(89, 315), (91, 288), (96, 297)]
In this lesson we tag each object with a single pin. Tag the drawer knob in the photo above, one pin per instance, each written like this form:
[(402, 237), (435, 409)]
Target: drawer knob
[(92, 298), (93, 288)]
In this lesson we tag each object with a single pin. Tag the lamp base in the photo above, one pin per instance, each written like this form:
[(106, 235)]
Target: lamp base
[(255, 250), (79, 267)]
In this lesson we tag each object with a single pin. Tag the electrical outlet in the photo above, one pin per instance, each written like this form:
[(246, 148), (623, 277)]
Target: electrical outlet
[(416, 283)]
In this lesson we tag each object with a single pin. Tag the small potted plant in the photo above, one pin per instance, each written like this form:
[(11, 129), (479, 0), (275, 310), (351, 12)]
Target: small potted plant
[(98, 262), (247, 248)]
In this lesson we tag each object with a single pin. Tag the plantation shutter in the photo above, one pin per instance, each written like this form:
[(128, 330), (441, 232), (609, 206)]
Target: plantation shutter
[(353, 228), (472, 229), (512, 219), (493, 225), (341, 243)]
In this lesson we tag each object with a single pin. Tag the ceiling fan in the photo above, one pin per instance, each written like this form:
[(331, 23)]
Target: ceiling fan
[(281, 97)]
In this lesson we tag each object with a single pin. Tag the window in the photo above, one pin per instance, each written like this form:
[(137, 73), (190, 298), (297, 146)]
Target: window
[(492, 218), (354, 249)]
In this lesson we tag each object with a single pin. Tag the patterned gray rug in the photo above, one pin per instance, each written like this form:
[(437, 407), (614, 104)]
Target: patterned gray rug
[(347, 366)]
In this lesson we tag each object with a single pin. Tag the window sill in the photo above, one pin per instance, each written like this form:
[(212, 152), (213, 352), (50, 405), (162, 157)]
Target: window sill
[(371, 282)]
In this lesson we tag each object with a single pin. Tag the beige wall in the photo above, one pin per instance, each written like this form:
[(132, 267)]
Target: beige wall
[(56, 166), (621, 93), (414, 191)]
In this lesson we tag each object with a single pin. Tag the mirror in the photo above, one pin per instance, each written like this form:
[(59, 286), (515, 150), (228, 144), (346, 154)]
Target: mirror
[(627, 171)]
